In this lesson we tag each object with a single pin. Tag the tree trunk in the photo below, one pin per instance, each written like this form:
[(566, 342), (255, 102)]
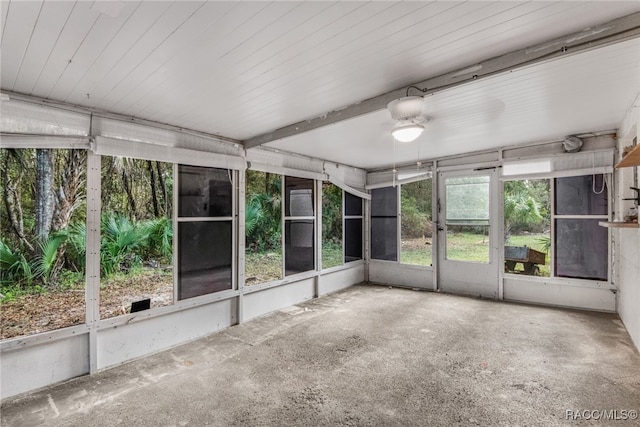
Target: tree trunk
[(127, 189), (45, 201), (154, 196), (13, 204), (69, 193), (163, 190)]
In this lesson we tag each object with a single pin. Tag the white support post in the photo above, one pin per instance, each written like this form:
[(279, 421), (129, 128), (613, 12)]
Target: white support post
[(240, 220), (435, 214), (92, 273), (367, 238), (318, 236)]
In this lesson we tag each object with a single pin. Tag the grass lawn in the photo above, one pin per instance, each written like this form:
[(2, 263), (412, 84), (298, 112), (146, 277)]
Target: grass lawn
[(470, 247), (262, 267)]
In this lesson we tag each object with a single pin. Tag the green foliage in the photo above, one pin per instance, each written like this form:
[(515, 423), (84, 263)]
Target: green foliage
[(159, 242), (120, 243), (331, 254), (14, 267), (253, 213), (526, 206), (263, 229), (415, 205), (76, 246), (332, 214), (545, 243), (44, 266)]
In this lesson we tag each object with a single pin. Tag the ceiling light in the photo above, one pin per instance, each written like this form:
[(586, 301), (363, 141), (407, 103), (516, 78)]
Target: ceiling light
[(407, 132), (407, 112)]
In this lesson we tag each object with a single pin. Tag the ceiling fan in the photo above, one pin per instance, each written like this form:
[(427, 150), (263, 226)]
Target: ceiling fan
[(410, 116)]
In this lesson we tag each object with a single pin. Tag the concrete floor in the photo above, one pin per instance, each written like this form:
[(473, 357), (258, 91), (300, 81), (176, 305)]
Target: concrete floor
[(367, 356)]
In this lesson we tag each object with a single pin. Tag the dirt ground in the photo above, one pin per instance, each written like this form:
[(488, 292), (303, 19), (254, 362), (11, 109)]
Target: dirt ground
[(31, 314)]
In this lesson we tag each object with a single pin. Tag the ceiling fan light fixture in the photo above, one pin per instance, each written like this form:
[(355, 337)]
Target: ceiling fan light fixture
[(407, 132)]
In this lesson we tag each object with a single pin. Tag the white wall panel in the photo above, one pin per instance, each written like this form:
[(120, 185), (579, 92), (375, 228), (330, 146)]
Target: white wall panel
[(341, 279), (390, 273), (562, 295), (136, 339), (266, 301), (629, 282), (43, 364), (626, 253)]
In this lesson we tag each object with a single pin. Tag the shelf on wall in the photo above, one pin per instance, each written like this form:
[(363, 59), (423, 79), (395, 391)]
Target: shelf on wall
[(631, 159), (618, 224)]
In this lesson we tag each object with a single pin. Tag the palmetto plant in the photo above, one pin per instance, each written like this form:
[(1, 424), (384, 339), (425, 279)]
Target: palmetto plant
[(520, 206), (47, 262), (14, 267), (262, 221), (120, 243), (159, 237)]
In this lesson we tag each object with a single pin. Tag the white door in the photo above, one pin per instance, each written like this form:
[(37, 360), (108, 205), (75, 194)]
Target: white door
[(468, 235)]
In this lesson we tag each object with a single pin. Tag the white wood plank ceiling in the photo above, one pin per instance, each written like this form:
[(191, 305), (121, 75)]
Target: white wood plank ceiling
[(241, 69)]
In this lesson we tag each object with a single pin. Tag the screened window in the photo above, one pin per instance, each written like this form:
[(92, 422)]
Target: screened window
[(384, 223), (332, 229), (42, 242), (557, 236), (415, 220), (205, 230), (581, 245), (353, 223), (263, 226), (527, 227), (299, 225), (136, 238)]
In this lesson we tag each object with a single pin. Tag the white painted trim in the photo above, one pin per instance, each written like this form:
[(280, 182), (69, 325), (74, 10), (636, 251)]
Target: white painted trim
[(145, 151), (285, 171), (44, 141), (339, 183)]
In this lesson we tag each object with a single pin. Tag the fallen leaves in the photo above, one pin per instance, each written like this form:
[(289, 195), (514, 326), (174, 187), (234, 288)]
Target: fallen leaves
[(36, 313)]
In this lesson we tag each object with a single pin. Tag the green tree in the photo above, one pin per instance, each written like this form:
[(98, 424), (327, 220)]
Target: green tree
[(523, 208)]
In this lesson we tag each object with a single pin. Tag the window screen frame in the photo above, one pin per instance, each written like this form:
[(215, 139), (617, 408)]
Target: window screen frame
[(607, 180), (608, 177), (396, 189), (286, 217), (233, 218), (346, 218)]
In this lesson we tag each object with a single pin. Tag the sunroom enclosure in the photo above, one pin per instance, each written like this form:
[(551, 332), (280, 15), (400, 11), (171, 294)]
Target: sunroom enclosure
[(372, 240)]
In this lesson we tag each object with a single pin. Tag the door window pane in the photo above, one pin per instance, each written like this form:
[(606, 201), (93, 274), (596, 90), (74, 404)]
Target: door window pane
[(467, 218), (415, 221), (205, 257)]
